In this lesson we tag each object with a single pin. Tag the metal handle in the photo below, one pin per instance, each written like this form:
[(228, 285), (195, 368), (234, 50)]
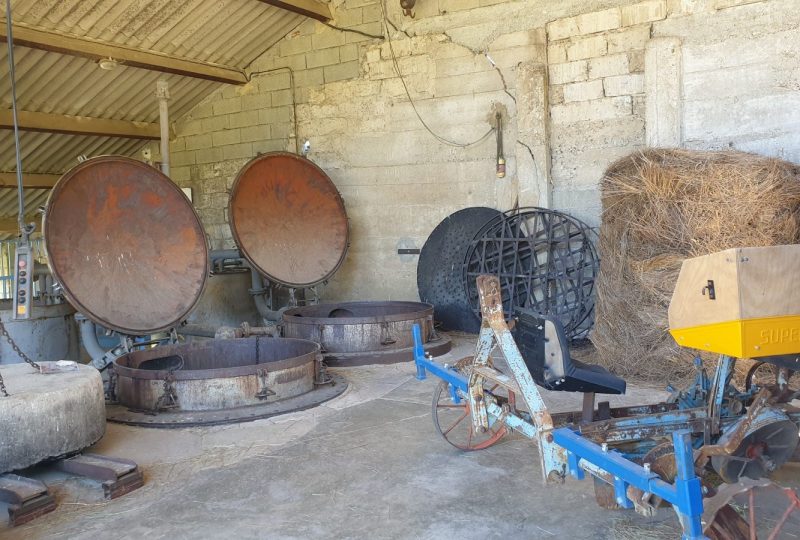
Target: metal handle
[(712, 295)]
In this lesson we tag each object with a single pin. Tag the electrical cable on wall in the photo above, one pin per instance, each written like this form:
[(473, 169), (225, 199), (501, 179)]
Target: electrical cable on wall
[(352, 30), (294, 99), (438, 137)]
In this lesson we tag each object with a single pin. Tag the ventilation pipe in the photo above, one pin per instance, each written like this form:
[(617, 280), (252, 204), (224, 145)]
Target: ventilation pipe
[(100, 357), (259, 293)]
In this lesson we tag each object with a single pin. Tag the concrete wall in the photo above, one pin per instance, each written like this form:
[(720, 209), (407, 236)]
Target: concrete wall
[(578, 83)]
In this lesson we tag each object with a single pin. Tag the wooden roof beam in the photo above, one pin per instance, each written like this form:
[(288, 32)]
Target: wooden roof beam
[(309, 8), (97, 50), (9, 224), (29, 180), (79, 125)]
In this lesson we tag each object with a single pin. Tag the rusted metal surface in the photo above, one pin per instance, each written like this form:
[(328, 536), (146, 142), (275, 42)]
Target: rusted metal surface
[(491, 304), (759, 442), (126, 245), (733, 438), (575, 417), (765, 510), (27, 498), (217, 375), (453, 422), (117, 476), (435, 347), (357, 333), (604, 493), (655, 425), (182, 419), (288, 219)]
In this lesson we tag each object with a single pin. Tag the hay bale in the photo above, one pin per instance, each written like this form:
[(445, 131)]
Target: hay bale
[(660, 207)]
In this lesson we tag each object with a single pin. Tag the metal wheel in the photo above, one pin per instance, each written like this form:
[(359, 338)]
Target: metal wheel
[(453, 421), (751, 509)]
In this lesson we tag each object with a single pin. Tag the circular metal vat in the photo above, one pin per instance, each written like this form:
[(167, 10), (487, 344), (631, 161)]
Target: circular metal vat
[(218, 381), (360, 333)]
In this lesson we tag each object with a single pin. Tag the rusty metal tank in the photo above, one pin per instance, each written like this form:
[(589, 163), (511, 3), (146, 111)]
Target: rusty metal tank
[(218, 381), (126, 245), (288, 219), (218, 374), (360, 333)]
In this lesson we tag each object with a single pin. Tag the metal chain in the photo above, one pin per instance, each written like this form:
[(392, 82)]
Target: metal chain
[(3, 387), (16, 348)]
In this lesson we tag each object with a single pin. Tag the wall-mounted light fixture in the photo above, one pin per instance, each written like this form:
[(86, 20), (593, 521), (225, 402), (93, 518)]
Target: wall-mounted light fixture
[(107, 64)]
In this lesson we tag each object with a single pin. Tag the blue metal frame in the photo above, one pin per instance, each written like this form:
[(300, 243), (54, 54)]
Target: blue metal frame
[(451, 376), (563, 450), (685, 494)]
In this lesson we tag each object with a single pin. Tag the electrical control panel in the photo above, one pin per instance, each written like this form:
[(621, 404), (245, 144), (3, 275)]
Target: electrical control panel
[(23, 279)]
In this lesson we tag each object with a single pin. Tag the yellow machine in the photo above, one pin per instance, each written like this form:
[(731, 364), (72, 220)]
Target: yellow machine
[(741, 302)]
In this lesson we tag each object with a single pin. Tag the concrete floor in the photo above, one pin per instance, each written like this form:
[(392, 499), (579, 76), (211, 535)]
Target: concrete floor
[(365, 465)]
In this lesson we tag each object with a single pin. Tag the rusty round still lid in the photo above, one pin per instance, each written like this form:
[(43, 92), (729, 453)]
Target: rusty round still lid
[(125, 244), (288, 219)]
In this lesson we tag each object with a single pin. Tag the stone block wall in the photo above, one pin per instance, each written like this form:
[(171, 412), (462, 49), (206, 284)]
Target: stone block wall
[(597, 105), (578, 84)]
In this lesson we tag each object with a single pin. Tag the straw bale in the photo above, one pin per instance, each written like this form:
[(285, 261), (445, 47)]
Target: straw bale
[(661, 206)]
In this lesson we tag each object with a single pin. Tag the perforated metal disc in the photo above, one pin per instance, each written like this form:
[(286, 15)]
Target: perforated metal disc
[(439, 269), (288, 219), (126, 245)]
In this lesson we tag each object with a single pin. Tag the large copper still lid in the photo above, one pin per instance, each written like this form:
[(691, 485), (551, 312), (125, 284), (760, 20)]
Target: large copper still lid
[(288, 219), (126, 245)]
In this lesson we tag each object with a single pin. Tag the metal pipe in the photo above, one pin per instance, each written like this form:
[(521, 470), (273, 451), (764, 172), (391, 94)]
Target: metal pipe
[(162, 93), (258, 292), (100, 357), (257, 287), (197, 330), (42, 279), (219, 257), (20, 194), (217, 254), (41, 270), (245, 331), (89, 338)]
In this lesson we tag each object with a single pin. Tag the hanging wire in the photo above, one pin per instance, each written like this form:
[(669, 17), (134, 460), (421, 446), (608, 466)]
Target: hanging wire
[(294, 99), (438, 137), (20, 195)]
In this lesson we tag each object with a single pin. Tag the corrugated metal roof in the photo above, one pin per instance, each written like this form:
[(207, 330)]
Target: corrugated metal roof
[(228, 32)]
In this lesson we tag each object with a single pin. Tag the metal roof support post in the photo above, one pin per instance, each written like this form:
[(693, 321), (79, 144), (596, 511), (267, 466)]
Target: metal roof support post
[(162, 93)]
